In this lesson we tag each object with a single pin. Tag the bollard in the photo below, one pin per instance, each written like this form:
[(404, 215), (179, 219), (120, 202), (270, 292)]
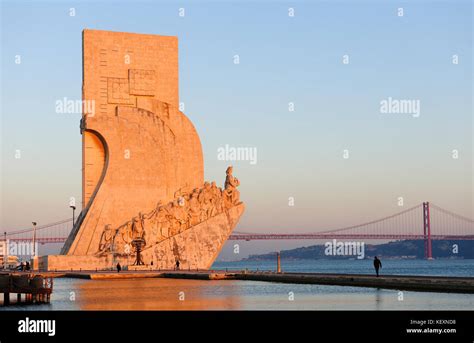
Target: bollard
[(278, 262)]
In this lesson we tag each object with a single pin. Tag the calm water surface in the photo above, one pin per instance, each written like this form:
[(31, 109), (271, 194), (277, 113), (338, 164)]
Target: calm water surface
[(167, 294)]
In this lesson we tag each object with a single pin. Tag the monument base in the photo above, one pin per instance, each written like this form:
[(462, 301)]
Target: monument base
[(194, 248), (74, 263)]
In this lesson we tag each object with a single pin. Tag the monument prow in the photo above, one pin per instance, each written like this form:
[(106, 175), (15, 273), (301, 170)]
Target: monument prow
[(140, 149)]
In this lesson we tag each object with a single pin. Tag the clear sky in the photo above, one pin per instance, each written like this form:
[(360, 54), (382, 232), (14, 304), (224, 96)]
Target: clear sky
[(282, 59)]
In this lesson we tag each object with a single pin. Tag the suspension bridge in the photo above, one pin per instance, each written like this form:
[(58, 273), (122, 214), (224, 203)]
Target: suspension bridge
[(425, 221)]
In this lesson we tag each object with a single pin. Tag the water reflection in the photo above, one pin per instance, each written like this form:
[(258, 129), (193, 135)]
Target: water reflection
[(168, 294), (157, 294), (378, 299)]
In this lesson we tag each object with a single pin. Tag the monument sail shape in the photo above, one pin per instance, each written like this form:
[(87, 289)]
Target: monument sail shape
[(143, 171)]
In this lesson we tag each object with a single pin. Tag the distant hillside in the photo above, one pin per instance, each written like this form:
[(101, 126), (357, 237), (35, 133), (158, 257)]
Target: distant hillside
[(397, 249)]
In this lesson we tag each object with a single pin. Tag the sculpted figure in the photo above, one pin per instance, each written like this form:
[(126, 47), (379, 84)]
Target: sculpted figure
[(205, 199), (151, 226), (182, 214), (163, 223), (188, 209), (106, 239), (178, 218), (231, 193), (125, 234), (138, 227), (122, 237), (184, 218), (194, 208), (216, 199)]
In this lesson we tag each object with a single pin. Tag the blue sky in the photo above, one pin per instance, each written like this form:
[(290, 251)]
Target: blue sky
[(282, 59)]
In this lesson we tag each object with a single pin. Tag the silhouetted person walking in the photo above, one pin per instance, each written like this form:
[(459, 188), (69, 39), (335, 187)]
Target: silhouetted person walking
[(177, 265), (119, 267), (377, 265)]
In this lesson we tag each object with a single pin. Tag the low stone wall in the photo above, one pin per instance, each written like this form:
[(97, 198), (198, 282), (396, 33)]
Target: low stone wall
[(66, 262)]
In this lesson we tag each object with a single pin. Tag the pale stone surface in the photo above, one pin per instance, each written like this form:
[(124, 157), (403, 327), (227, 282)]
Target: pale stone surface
[(195, 248), (138, 149), (65, 262), (166, 221)]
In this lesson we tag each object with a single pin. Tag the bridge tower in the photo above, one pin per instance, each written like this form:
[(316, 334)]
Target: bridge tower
[(427, 230)]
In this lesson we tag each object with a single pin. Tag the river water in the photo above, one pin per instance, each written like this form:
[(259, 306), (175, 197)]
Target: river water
[(168, 294), (400, 267)]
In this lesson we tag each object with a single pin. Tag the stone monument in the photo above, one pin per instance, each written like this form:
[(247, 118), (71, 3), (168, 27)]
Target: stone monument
[(142, 164)]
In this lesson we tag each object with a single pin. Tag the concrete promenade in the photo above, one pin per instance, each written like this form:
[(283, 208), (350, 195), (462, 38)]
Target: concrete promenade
[(398, 282)]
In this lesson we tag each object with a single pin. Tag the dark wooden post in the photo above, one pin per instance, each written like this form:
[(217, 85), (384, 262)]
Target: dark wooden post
[(278, 263), (6, 298)]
